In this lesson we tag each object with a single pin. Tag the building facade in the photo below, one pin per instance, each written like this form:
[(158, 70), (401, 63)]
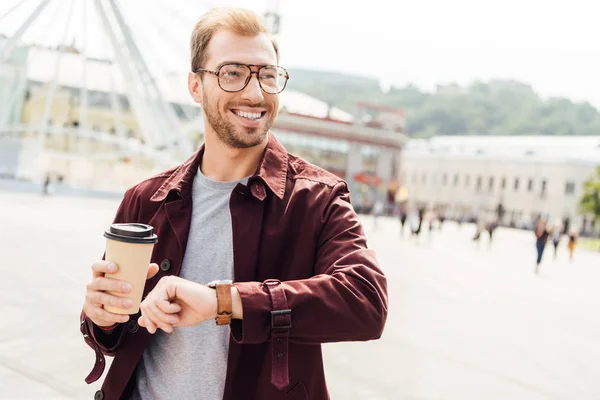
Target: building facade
[(527, 177)]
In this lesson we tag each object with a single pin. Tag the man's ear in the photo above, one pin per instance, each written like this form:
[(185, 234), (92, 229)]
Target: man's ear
[(195, 87)]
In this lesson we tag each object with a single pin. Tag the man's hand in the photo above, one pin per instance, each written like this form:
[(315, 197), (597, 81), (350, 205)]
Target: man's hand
[(96, 296), (176, 302)]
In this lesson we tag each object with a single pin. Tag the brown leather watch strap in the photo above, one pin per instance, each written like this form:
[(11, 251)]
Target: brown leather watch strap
[(224, 307)]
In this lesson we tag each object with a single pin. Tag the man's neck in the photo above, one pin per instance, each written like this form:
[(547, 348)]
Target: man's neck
[(225, 164)]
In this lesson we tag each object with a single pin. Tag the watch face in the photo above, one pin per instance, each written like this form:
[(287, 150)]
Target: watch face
[(219, 282)]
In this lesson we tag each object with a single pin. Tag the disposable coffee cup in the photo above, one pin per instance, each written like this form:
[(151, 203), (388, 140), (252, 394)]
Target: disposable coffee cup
[(130, 247)]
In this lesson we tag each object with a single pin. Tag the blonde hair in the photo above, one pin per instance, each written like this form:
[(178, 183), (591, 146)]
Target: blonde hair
[(238, 20)]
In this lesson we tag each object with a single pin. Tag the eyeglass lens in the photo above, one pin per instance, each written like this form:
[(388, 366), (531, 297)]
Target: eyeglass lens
[(233, 78)]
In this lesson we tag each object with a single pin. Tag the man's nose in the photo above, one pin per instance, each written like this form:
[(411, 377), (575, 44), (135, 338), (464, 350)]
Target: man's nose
[(252, 92)]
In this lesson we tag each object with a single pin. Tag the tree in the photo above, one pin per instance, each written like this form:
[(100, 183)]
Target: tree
[(590, 202), (497, 107)]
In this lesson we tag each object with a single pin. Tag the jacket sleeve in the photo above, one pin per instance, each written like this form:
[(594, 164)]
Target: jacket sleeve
[(108, 341), (346, 300)]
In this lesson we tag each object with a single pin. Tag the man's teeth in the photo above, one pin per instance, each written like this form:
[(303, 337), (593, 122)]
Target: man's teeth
[(248, 115)]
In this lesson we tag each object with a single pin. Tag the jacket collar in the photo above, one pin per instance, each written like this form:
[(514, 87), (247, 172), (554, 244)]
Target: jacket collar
[(272, 170)]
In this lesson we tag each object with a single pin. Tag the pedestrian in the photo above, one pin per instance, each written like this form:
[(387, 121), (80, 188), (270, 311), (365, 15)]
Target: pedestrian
[(241, 209), (420, 216), (441, 218), (490, 228), (556, 234), (403, 216), (572, 243), (431, 219), (377, 212), (541, 234), (479, 228), (46, 185)]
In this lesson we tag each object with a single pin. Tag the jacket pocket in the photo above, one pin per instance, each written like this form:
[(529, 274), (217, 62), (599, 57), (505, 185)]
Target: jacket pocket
[(298, 392)]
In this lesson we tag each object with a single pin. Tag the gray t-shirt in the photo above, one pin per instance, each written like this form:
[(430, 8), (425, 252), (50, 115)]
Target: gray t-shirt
[(191, 362)]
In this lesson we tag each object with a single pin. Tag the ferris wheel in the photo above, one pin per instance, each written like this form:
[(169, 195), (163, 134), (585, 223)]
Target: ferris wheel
[(99, 79)]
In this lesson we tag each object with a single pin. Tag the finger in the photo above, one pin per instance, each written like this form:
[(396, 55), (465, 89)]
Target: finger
[(168, 307), (109, 285), (101, 317), (147, 323), (168, 318), (152, 270), (153, 315), (99, 268), (102, 298)]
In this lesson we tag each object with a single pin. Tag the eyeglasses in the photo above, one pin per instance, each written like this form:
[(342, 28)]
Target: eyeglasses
[(235, 77)]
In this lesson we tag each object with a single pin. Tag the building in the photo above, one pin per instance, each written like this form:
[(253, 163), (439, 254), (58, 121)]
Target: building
[(530, 176), (111, 151)]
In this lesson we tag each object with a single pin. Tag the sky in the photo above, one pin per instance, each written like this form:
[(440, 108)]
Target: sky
[(553, 45)]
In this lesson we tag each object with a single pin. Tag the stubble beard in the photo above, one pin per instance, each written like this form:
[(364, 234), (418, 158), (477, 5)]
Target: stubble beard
[(232, 136)]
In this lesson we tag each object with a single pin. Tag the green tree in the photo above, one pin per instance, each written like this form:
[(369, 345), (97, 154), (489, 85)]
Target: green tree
[(497, 107), (590, 202)]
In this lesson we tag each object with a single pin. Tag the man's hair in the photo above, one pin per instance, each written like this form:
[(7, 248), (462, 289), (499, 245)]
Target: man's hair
[(238, 20)]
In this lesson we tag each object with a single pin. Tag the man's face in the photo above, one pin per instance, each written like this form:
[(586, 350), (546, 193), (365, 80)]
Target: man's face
[(224, 112)]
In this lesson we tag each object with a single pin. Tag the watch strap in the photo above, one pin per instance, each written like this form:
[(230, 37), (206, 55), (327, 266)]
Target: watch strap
[(224, 304)]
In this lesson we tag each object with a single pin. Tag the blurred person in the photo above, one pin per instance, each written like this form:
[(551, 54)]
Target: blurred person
[(566, 225), (490, 227), (241, 207), (403, 217), (420, 215), (572, 243), (441, 219), (432, 217), (479, 228), (46, 185), (541, 235), (556, 232), (377, 212)]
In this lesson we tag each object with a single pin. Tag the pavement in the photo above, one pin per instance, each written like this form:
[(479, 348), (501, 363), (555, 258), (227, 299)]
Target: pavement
[(466, 321)]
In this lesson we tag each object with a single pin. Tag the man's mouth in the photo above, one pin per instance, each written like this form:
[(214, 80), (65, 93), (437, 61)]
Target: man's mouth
[(252, 116)]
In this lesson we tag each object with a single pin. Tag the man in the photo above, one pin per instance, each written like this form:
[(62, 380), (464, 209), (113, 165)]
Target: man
[(245, 210)]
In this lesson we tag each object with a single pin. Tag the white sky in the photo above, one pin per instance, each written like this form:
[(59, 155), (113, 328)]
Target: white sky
[(554, 45)]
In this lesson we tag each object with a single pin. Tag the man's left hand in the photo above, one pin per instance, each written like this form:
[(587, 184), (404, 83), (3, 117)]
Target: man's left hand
[(176, 302)]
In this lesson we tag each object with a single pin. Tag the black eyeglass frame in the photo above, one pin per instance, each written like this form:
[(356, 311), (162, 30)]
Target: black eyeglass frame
[(217, 73)]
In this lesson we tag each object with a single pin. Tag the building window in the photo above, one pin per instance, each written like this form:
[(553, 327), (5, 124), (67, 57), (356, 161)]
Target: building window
[(444, 179), (478, 185), (467, 180), (530, 185), (424, 178), (516, 184), (570, 187), (414, 177), (491, 184), (434, 179), (503, 184), (455, 179)]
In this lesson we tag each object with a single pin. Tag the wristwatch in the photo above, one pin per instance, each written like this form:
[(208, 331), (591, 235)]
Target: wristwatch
[(224, 307)]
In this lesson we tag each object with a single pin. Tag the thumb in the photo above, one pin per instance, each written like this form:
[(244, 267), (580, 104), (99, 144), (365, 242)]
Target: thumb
[(152, 270)]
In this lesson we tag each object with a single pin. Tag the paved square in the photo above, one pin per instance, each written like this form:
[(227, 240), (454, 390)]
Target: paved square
[(465, 322)]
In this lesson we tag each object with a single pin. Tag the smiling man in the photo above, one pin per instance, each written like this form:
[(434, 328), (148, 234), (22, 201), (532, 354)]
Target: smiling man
[(262, 257)]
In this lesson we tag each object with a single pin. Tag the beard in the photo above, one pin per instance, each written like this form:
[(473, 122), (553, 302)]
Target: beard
[(236, 136)]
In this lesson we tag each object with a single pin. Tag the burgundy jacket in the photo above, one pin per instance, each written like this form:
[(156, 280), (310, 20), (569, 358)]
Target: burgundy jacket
[(301, 266)]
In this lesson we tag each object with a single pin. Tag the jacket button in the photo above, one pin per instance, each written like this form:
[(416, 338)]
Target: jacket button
[(132, 326), (165, 265), (99, 395)]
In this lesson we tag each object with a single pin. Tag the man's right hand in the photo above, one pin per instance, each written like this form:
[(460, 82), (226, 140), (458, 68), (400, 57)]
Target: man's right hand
[(96, 295)]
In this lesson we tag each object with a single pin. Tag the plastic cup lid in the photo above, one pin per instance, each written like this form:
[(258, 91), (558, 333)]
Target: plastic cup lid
[(131, 233)]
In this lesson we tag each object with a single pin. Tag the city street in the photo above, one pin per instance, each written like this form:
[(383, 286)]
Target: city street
[(465, 321)]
